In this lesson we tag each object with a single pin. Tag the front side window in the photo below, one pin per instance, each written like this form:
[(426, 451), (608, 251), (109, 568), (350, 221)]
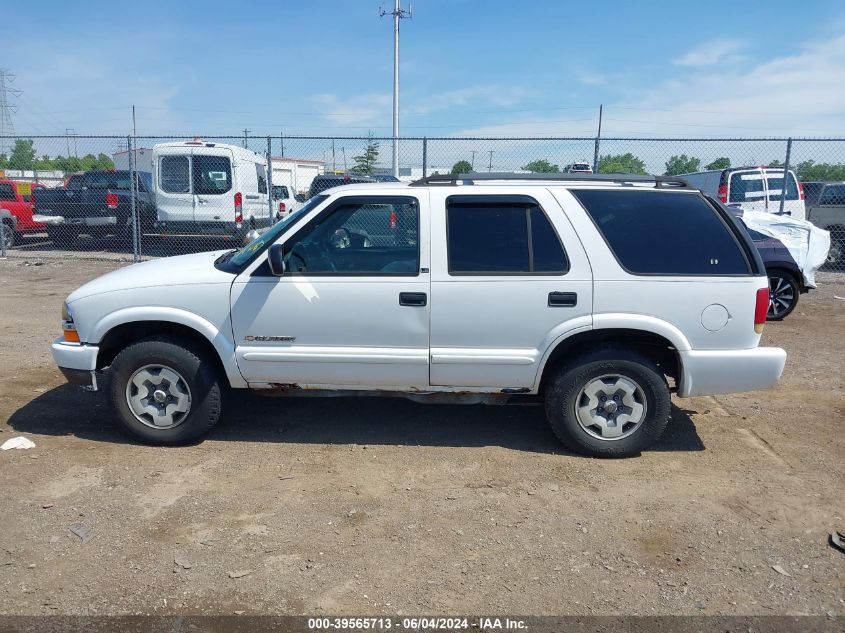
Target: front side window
[(370, 236), (212, 175), (664, 233), (174, 174), (490, 236), (7, 192), (261, 174)]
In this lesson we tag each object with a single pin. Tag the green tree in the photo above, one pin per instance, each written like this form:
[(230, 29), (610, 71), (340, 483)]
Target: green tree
[(365, 163), (541, 165), (621, 164), (462, 167), (719, 163), (775, 163), (682, 164), (809, 170), (23, 154)]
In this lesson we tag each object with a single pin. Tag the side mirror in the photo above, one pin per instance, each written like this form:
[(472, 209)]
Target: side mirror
[(275, 259)]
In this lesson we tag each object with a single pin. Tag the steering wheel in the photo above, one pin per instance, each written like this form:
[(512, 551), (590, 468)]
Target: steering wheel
[(315, 253)]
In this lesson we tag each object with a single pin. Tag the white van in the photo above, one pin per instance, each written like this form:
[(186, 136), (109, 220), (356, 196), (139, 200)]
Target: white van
[(204, 188), (752, 189)]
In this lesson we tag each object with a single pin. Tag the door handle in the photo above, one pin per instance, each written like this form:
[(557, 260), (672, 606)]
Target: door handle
[(563, 299), (414, 299)]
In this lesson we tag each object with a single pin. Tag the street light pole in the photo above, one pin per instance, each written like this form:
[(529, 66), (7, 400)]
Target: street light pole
[(398, 13)]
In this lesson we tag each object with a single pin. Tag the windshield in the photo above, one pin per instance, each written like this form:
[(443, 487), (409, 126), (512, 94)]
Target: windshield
[(242, 256)]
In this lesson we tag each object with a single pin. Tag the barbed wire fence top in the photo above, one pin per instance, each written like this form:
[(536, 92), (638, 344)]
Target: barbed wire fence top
[(209, 191)]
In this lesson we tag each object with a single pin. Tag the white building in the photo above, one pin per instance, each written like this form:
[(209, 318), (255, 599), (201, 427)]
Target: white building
[(296, 173)]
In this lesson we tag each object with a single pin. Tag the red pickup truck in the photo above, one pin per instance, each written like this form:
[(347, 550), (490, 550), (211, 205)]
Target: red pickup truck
[(16, 197)]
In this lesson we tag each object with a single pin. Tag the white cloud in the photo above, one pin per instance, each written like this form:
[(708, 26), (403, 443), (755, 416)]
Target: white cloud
[(710, 53), (355, 111)]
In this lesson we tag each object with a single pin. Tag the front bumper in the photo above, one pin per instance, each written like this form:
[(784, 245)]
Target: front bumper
[(711, 372), (78, 362)]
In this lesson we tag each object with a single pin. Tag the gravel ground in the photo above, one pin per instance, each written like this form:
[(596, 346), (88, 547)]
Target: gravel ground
[(322, 506)]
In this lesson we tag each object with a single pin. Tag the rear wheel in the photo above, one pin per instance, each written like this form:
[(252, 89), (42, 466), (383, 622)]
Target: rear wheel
[(165, 393), (7, 234), (783, 294), (836, 256), (609, 402)]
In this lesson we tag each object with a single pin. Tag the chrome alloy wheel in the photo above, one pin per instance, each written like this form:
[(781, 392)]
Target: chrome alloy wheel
[(611, 407), (781, 296), (158, 396)]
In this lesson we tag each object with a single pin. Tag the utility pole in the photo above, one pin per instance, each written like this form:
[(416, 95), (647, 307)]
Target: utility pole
[(7, 127), (398, 13), (69, 131), (246, 133), (282, 139), (472, 162), (598, 142), (134, 127), (343, 150), (334, 162), (490, 164)]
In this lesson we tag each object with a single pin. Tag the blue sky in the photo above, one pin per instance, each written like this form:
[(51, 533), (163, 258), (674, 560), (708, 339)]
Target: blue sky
[(468, 67)]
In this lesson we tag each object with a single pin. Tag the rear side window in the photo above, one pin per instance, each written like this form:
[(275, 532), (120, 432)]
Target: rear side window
[(664, 233), (212, 175), (261, 173), (508, 236), (775, 187), (174, 174), (280, 192), (107, 180), (746, 187), (7, 192)]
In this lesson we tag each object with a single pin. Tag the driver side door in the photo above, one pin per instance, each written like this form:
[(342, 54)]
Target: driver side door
[(352, 308)]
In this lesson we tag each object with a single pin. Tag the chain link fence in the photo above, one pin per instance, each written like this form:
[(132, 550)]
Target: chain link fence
[(102, 197)]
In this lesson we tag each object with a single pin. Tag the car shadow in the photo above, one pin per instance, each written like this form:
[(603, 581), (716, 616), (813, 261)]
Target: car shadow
[(68, 410)]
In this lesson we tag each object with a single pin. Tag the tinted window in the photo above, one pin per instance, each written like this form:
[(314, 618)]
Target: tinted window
[(280, 192), (746, 187), (496, 237), (107, 180), (212, 175), (833, 194), (668, 233), (261, 174), (775, 187), (174, 174), (363, 237), (7, 192)]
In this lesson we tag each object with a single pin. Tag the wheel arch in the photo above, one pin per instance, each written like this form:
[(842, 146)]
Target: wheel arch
[(655, 345), (117, 330)]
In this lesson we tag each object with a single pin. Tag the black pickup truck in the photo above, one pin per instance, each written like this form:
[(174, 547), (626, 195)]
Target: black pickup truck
[(96, 203)]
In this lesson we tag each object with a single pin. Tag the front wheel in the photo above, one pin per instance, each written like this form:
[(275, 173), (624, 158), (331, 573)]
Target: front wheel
[(165, 393), (7, 234), (609, 402), (783, 295)]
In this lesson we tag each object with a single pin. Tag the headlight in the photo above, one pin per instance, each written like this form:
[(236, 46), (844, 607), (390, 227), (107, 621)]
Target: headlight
[(68, 326)]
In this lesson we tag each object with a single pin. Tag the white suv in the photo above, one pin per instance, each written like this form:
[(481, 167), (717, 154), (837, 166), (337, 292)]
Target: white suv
[(599, 295)]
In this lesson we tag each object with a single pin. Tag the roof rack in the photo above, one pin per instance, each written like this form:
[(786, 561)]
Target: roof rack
[(660, 182)]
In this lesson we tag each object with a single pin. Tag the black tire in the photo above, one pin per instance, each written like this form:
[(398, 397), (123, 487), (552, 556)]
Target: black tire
[(836, 254), (198, 372), (783, 294), (565, 388), (8, 235), (61, 235)]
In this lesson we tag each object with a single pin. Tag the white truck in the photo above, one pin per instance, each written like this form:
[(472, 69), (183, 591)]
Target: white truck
[(598, 295)]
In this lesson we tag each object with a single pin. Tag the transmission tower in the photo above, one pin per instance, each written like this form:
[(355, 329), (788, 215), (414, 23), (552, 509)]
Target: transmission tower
[(7, 126)]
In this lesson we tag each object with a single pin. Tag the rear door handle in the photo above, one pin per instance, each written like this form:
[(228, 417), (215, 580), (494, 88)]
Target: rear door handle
[(563, 299), (414, 299)]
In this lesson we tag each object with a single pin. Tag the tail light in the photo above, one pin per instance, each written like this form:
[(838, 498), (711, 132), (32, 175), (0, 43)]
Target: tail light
[(723, 193), (282, 207), (239, 208), (391, 222), (800, 190), (111, 200), (760, 309)]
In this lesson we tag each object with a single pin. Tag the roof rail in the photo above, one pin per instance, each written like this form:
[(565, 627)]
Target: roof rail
[(468, 179)]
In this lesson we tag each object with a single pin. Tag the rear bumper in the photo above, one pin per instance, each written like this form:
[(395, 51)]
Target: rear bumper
[(78, 362), (209, 228), (55, 220), (711, 372)]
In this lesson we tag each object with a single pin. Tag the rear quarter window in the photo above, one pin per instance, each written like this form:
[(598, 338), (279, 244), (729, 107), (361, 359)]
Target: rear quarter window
[(664, 233)]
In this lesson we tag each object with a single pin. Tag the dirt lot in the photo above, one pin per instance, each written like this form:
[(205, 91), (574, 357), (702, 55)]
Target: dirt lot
[(385, 506)]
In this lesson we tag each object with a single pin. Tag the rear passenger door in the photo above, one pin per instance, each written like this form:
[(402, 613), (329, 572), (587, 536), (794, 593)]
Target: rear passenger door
[(509, 276)]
